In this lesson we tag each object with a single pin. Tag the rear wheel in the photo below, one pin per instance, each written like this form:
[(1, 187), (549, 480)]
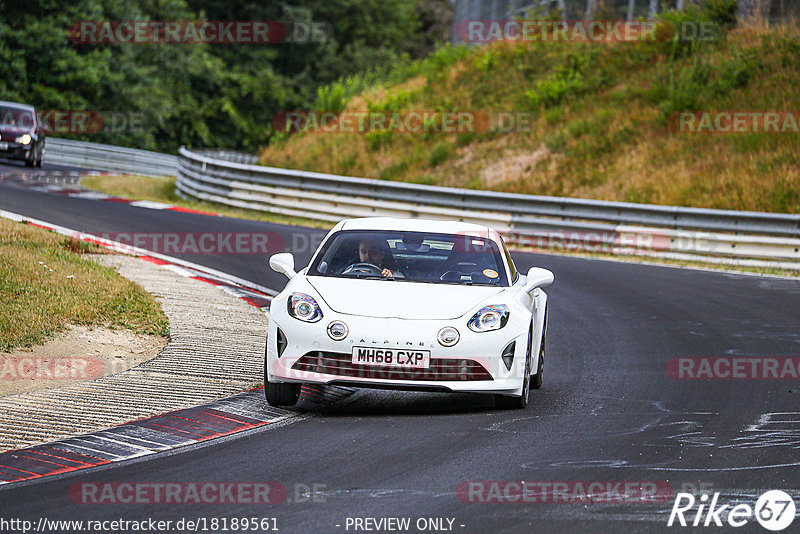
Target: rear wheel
[(536, 380)]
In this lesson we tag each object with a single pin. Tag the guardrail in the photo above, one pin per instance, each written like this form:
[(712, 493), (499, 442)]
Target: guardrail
[(525, 220), (108, 157)]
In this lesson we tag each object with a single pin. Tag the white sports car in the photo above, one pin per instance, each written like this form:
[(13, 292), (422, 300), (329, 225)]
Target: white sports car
[(408, 304)]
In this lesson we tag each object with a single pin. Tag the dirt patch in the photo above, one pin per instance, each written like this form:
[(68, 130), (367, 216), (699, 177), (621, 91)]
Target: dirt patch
[(81, 353), (513, 167)]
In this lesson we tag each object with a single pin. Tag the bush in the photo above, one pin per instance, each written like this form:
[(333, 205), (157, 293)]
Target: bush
[(683, 33), (332, 98), (439, 153)]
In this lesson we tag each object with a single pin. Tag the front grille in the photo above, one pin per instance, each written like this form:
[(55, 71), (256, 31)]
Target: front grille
[(441, 369)]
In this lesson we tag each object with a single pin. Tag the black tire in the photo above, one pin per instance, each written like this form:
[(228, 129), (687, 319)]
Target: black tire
[(40, 159), (30, 162), (281, 393), (507, 402), (536, 380)]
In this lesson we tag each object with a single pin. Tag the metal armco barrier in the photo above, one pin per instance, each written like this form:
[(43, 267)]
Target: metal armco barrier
[(108, 157), (525, 220)]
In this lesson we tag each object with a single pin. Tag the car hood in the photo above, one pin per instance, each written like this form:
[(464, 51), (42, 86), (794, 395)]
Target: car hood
[(13, 131), (403, 300)]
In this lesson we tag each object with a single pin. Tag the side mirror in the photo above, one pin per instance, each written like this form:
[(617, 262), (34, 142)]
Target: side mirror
[(538, 277), (283, 263)]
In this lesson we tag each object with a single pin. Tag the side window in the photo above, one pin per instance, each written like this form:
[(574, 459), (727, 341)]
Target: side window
[(511, 266)]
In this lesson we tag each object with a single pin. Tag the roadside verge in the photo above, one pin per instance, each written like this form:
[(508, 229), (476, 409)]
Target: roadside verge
[(216, 349)]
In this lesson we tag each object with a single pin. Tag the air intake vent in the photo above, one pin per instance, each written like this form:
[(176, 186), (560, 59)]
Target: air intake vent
[(282, 343)]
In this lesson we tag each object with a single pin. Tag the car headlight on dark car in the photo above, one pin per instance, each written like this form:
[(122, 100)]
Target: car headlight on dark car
[(23, 139), (489, 318), (304, 308)]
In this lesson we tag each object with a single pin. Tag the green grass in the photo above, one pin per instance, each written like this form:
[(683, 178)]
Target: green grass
[(46, 285)]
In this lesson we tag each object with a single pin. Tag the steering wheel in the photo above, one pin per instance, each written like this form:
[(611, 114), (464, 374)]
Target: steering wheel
[(363, 268)]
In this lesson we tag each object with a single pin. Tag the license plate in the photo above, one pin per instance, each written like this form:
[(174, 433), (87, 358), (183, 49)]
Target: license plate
[(400, 358), (4, 146)]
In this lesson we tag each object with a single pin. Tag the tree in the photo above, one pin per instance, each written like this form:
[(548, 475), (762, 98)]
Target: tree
[(591, 9), (653, 9), (754, 9)]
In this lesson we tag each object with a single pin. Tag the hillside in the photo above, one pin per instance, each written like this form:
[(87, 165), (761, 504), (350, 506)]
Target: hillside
[(603, 120)]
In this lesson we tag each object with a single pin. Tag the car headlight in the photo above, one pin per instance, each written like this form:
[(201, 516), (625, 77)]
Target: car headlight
[(304, 308), (489, 318), (24, 139), (337, 330), (448, 336)]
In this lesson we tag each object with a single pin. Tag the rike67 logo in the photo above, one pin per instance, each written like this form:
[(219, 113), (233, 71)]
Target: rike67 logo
[(774, 510)]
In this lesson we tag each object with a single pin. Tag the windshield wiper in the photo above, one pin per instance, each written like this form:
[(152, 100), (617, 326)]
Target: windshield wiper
[(371, 277)]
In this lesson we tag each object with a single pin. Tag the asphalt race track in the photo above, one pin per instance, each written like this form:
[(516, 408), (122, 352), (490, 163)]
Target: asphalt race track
[(608, 410)]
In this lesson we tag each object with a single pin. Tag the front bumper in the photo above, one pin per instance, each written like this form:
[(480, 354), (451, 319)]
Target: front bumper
[(474, 364), (15, 150)]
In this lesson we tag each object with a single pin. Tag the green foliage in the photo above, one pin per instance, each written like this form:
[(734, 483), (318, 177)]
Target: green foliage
[(401, 69), (785, 198), (439, 154), (379, 138), (683, 33), (209, 95), (397, 101), (684, 88), (331, 98), (394, 170), (424, 180), (722, 12), (576, 76)]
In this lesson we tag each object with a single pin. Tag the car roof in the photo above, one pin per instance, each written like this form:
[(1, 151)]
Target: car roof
[(412, 225), (17, 105)]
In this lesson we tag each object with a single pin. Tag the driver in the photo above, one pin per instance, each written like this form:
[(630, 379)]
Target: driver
[(370, 251)]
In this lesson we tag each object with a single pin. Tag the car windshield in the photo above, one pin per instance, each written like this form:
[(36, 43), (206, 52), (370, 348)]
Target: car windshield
[(455, 259), (15, 118)]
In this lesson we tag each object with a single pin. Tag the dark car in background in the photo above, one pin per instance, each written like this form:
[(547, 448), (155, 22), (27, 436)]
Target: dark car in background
[(22, 133)]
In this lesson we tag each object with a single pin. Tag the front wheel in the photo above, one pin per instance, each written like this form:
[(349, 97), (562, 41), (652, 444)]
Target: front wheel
[(506, 402), (281, 393)]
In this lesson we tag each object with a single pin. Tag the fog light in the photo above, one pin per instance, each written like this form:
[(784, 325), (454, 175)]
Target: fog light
[(448, 336), (337, 330)]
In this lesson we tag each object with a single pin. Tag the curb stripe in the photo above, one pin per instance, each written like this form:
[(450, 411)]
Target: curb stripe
[(223, 417)]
